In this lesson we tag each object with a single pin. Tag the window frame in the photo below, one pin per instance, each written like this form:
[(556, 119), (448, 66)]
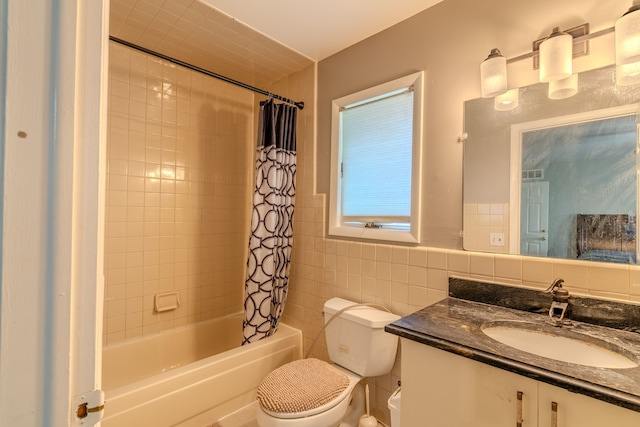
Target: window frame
[(336, 225)]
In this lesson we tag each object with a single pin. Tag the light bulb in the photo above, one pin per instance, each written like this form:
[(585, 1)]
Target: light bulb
[(493, 74), (507, 101), (565, 88), (556, 55), (628, 46)]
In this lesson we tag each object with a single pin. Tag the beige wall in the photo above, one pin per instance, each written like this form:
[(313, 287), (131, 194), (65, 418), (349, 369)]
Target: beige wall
[(448, 42), (180, 162)]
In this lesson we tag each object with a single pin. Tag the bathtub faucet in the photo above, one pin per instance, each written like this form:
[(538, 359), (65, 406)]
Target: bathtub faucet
[(560, 303)]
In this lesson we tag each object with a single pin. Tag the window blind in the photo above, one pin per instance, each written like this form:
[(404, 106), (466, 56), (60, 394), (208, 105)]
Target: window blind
[(376, 157)]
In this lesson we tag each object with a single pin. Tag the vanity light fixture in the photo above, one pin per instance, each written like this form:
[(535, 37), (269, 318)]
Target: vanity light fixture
[(564, 88), (493, 74), (507, 101), (556, 54), (627, 31)]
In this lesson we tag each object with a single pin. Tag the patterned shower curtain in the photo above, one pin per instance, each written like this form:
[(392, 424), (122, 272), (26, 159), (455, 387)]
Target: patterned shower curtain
[(271, 238)]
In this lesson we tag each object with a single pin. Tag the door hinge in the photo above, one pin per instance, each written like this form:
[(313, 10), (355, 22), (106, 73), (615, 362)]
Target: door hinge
[(89, 408), (84, 410)]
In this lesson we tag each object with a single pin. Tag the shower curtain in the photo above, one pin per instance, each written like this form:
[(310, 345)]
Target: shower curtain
[(271, 237)]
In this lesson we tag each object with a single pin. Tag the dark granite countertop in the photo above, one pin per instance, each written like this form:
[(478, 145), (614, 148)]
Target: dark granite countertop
[(455, 325)]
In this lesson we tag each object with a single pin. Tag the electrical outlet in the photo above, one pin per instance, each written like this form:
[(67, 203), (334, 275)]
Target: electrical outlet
[(496, 239)]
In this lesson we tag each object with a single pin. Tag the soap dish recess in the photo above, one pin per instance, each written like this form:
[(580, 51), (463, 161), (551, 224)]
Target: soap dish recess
[(166, 301)]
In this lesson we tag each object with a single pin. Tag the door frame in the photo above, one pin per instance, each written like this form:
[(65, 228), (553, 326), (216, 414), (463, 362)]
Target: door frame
[(52, 137)]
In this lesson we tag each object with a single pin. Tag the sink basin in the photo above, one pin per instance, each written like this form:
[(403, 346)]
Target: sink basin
[(530, 338)]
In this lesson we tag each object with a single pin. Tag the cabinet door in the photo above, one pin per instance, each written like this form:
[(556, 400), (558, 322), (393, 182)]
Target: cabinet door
[(441, 389), (577, 410)]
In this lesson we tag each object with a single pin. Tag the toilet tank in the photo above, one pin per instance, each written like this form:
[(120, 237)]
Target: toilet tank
[(356, 339)]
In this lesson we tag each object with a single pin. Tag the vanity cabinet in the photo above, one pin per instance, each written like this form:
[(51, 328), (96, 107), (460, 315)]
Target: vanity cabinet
[(442, 389), (578, 410)]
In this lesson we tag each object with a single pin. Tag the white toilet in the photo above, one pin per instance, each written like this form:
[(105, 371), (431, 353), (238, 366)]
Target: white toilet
[(314, 393)]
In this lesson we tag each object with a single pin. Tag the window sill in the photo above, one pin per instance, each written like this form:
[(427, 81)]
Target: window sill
[(375, 234)]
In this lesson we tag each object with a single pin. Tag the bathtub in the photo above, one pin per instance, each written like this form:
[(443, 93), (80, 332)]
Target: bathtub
[(192, 376)]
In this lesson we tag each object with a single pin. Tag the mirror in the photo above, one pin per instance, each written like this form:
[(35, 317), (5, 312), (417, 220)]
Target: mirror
[(554, 178)]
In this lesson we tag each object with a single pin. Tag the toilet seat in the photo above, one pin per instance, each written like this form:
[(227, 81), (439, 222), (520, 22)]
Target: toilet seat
[(310, 412), (309, 375)]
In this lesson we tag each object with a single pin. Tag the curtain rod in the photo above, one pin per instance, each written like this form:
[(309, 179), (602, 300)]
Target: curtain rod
[(300, 104)]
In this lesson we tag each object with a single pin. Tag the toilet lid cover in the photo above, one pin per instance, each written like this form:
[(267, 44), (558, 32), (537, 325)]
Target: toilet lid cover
[(301, 386)]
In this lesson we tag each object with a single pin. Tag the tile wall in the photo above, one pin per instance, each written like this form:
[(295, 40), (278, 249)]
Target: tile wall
[(180, 161), (481, 220)]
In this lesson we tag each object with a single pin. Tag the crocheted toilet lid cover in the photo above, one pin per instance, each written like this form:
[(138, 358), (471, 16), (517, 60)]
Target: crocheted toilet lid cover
[(301, 386)]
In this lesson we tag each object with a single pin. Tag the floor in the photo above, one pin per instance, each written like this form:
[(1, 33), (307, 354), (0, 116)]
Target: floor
[(245, 417)]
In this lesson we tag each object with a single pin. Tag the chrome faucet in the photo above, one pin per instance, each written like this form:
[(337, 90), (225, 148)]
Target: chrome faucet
[(560, 303)]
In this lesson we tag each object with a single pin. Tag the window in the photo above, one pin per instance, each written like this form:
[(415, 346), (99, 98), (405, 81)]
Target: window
[(375, 165)]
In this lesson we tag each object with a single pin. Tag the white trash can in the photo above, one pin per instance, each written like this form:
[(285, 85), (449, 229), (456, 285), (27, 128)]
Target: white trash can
[(394, 407)]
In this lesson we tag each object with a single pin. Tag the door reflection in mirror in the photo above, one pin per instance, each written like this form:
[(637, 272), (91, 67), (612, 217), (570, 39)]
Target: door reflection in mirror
[(580, 168)]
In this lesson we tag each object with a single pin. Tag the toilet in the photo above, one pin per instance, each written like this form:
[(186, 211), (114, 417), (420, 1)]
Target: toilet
[(314, 393)]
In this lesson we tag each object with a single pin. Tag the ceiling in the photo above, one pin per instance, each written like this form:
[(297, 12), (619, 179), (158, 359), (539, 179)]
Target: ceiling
[(253, 41), (320, 28)]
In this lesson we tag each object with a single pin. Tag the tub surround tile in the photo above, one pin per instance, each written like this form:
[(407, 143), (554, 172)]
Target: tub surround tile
[(454, 325), (163, 141)]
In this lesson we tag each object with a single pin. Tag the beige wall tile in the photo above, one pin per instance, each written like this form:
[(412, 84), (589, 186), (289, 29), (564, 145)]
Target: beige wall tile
[(481, 264), (157, 193), (537, 272), (417, 276), (634, 278), (458, 261), (383, 253), (437, 258), (508, 267), (418, 256), (574, 274), (399, 255), (609, 278)]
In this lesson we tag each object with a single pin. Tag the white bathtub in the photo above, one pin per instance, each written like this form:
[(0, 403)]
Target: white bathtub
[(192, 376)]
